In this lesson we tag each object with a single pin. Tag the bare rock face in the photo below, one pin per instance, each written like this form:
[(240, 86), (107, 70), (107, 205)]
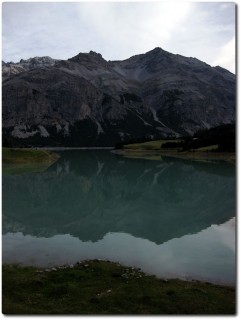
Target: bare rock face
[(11, 69), (88, 101)]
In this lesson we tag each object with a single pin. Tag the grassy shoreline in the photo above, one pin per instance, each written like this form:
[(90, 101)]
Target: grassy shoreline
[(27, 156), (154, 150), (192, 155), (107, 288), (21, 160)]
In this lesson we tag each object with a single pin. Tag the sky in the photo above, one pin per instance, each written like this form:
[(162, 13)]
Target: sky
[(119, 30)]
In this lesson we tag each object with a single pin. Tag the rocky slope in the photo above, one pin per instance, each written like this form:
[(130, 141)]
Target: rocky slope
[(11, 69), (88, 101)]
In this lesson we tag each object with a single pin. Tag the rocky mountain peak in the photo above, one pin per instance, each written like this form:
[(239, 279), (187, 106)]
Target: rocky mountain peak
[(156, 55), (37, 59), (92, 58), (10, 69), (156, 51), (90, 55), (87, 101), (95, 54)]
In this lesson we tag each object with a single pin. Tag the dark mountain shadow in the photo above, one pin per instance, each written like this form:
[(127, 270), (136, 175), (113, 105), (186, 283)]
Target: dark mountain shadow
[(88, 194)]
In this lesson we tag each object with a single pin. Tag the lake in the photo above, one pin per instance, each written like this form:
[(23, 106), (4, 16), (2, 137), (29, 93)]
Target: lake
[(171, 218)]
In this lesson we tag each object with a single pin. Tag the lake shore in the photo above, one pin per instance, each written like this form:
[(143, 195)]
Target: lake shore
[(21, 160), (20, 156), (73, 148), (192, 155), (27, 155), (106, 288)]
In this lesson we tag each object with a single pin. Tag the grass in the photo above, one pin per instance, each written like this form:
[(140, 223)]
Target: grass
[(213, 147), (151, 150), (106, 288), (149, 145), (27, 155), (22, 160)]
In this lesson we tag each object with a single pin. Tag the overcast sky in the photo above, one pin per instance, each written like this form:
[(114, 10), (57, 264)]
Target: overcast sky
[(119, 30)]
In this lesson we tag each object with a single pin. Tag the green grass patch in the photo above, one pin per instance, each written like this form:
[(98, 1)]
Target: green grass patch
[(213, 147), (27, 155), (105, 288), (22, 160), (149, 145)]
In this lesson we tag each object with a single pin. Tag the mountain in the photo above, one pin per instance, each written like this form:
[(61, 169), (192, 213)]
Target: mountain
[(88, 101), (10, 69)]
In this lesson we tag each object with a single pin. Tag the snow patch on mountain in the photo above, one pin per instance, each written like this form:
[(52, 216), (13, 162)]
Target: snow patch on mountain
[(20, 131), (43, 132)]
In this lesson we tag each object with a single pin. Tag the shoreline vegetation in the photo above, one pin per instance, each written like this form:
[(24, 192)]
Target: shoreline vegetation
[(217, 143), (27, 155), (98, 287), (197, 155), (20, 160)]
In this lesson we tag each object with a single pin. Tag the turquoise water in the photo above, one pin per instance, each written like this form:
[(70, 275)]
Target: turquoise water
[(171, 218)]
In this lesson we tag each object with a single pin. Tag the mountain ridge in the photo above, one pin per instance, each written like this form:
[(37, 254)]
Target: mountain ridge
[(157, 94), (51, 61)]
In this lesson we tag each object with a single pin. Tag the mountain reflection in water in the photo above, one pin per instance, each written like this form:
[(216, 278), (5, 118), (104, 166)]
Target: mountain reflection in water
[(88, 194)]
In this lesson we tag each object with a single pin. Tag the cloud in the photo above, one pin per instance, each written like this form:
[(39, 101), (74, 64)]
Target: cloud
[(39, 29), (226, 57), (124, 29), (119, 30), (209, 27)]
